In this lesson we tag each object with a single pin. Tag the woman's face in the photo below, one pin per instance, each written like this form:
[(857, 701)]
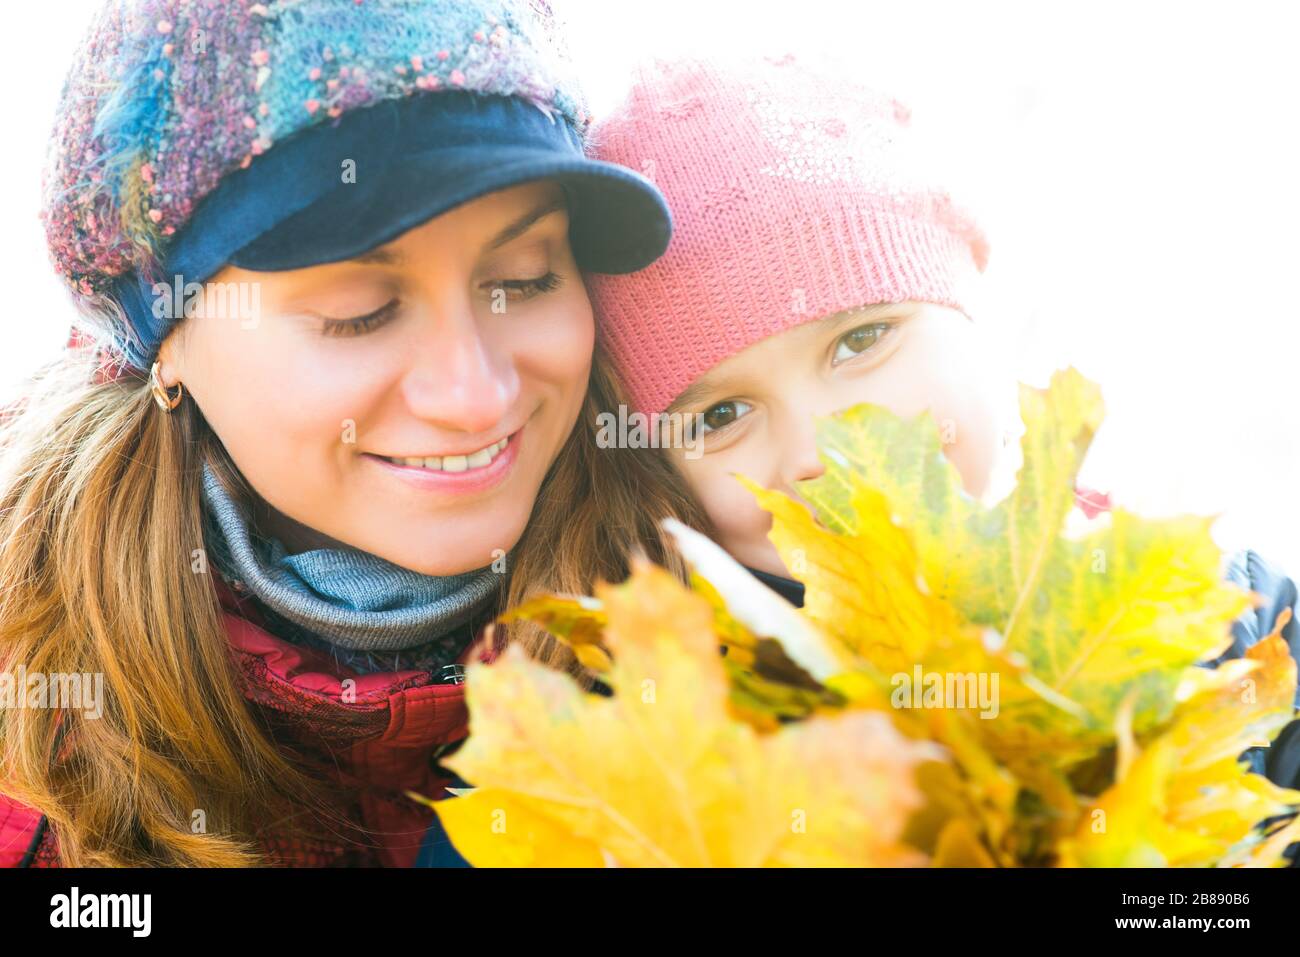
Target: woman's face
[(759, 406), (408, 402)]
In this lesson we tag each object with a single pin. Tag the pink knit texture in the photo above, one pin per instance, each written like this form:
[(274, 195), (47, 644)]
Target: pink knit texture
[(795, 194)]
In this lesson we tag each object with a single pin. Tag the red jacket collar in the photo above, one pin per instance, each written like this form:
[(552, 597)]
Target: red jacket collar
[(381, 728)]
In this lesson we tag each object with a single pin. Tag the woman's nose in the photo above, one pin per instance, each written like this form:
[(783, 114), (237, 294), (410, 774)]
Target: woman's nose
[(460, 380)]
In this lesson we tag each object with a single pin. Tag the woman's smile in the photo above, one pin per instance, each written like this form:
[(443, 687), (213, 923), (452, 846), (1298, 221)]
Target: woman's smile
[(479, 471), (450, 462)]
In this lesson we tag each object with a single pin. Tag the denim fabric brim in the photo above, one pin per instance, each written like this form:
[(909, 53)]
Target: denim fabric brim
[(617, 222), (338, 189)]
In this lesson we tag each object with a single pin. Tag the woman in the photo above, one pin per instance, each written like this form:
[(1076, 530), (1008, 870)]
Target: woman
[(331, 255)]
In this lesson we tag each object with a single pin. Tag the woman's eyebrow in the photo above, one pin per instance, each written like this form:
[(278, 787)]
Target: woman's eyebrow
[(525, 222), (383, 256)]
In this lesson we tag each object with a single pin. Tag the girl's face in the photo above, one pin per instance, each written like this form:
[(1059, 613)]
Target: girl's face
[(758, 407), (408, 402)]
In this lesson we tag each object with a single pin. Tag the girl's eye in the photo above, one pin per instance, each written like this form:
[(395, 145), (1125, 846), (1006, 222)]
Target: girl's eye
[(859, 340), (518, 290), (723, 414), (362, 324)]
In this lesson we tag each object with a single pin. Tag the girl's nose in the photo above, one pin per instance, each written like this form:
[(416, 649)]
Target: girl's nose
[(800, 461), (461, 381)]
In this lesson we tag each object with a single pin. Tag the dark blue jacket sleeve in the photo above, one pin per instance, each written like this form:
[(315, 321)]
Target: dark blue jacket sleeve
[(1278, 591), (1280, 762), (436, 849)]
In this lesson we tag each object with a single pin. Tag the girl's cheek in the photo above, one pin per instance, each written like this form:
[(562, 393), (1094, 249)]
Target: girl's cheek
[(972, 438), (966, 409), (742, 526), (903, 383)]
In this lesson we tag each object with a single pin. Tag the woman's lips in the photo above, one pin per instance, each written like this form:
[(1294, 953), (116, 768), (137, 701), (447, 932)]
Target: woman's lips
[(462, 479)]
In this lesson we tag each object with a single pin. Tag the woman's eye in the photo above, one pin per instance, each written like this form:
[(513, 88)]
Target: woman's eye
[(518, 290), (723, 414), (362, 324), (859, 340)]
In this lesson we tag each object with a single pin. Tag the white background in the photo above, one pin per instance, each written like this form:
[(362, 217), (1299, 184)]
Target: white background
[(1137, 166)]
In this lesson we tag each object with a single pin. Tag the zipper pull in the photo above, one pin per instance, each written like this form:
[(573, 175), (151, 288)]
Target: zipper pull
[(453, 674)]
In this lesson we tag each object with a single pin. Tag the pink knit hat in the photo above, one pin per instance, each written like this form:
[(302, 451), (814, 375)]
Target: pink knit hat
[(795, 194)]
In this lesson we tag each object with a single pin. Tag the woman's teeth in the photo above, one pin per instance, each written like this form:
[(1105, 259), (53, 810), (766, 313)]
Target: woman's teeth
[(454, 463)]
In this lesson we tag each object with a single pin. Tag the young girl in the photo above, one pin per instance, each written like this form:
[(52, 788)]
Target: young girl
[(329, 253), (814, 265)]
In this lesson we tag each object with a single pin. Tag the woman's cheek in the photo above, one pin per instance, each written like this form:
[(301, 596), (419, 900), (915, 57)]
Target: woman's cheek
[(555, 343), (322, 394)]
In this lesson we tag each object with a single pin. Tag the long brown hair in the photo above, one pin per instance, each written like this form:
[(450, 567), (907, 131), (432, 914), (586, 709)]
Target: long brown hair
[(100, 523), (598, 508)]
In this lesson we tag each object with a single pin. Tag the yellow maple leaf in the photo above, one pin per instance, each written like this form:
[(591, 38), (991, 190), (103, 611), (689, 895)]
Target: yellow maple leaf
[(662, 774), (1103, 742), (904, 570), (904, 563), (1186, 798), (578, 621)]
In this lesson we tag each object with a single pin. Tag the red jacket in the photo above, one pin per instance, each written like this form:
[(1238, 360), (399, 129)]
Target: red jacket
[(382, 741)]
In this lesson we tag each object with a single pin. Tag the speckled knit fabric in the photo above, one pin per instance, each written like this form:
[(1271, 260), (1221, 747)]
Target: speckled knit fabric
[(166, 97)]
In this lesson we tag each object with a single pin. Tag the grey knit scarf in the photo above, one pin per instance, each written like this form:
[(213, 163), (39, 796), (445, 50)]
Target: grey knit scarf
[(348, 597)]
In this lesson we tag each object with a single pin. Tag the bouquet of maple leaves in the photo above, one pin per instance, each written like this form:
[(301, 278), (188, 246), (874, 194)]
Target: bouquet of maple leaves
[(1110, 742)]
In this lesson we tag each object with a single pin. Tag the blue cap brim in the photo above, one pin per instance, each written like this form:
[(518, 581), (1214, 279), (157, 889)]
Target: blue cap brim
[(338, 189), (618, 222)]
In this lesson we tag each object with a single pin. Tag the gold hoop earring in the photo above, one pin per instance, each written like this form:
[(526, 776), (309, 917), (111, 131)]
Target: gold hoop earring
[(160, 395)]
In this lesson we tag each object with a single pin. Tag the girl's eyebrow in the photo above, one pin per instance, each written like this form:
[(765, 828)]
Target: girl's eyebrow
[(693, 393), (704, 388), (871, 313)]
